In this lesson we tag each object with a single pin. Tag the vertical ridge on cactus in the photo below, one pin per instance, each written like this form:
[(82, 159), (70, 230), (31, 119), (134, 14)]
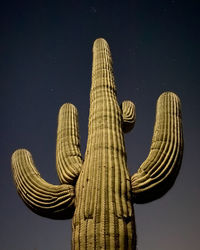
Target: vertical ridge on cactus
[(98, 192)]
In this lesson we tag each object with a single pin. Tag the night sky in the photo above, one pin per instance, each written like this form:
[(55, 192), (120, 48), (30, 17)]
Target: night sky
[(46, 59)]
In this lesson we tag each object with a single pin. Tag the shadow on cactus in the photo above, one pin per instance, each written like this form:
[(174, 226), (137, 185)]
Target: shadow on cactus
[(98, 192)]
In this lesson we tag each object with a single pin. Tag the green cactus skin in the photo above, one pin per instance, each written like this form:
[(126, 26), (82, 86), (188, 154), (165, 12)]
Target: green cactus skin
[(98, 192)]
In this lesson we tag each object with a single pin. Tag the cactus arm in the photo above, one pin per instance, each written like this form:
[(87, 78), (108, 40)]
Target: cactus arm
[(68, 155), (47, 200), (128, 115), (158, 172)]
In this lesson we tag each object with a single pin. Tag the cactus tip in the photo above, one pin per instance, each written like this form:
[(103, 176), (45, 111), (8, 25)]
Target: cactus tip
[(100, 42)]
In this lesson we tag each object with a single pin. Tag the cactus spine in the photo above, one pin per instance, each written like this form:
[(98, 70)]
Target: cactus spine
[(98, 191)]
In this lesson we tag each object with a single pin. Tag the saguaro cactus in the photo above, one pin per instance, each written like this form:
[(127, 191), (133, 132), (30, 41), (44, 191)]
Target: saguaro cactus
[(98, 191)]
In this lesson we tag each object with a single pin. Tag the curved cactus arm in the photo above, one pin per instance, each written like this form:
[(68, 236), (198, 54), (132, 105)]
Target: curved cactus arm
[(128, 115), (68, 155), (158, 172), (47, 200)]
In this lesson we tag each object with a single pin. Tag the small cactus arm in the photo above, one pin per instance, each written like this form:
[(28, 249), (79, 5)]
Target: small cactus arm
[(98, 192)]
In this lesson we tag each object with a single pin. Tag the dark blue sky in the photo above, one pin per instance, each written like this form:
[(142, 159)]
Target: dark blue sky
[(46, 56)]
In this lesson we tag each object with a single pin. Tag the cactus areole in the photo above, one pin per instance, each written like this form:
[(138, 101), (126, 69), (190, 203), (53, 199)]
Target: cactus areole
[(98, 192)]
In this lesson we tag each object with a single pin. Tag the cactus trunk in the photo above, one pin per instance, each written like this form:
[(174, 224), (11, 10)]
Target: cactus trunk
[(104, 216)]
